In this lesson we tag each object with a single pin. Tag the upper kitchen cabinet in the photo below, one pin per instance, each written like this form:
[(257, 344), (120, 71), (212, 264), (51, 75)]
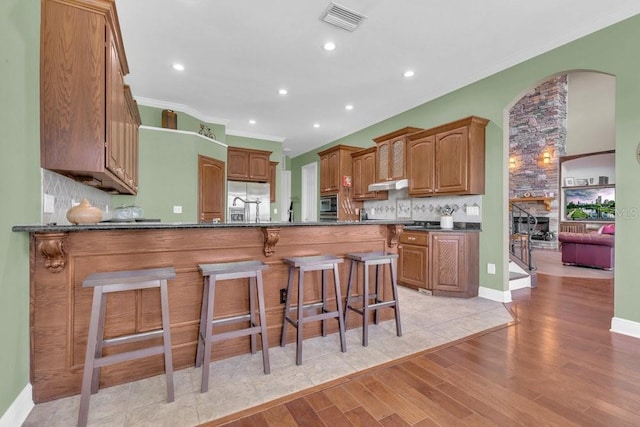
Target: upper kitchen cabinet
[(335, 163), (364, 174), (88, 119), (272, 181), (244, 164), (391, 154), (447, 159)]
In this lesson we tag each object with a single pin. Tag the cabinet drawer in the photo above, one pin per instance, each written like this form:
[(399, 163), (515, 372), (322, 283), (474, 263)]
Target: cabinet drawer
[(419, 238)]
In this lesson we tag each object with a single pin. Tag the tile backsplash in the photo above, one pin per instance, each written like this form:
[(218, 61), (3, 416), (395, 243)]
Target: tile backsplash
[(67, 193), (400, 206)]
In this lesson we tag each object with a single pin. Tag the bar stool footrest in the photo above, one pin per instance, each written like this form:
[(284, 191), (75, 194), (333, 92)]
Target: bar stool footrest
[(126, 356)]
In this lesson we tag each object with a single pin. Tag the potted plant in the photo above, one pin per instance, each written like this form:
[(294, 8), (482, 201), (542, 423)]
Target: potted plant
[(446, 216)]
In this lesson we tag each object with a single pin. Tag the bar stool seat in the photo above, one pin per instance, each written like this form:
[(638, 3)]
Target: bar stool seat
[(120, 281), (367, 259), (212, 273), (304, 264)]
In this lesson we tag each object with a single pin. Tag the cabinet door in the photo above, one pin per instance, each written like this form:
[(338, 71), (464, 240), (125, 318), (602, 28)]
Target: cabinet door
[(258, 167), (451, 153), (396, 162), (448, 262), (238, 164), (420, 166), (412, 266), (211, 192), (383, 157), (359, 191), (272, 181), (324, 173), (115, 119), (334, 171)]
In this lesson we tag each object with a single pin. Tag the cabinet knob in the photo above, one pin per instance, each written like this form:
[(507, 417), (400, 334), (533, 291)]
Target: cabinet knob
[(411, 238)]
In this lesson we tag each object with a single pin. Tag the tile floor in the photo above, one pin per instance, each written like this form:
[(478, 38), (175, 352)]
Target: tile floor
[(239, 382)]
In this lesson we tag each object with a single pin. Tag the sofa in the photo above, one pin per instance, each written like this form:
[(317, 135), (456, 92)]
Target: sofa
[(593, 249)]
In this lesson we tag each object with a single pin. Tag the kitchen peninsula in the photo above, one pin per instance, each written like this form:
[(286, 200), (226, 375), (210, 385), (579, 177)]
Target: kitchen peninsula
[(61, 257)]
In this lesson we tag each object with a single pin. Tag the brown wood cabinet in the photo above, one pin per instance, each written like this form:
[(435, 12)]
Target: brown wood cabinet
[(454, 264), (211, 191), (245, 164), (272, 181), (335, 163), (88, 119), (446, 263), (413, 265), (364, 173), (391, 154), (447, 159)]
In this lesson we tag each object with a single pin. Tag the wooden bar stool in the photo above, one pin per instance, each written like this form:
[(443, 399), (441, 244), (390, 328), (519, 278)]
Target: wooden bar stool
[(227, 271), (367, 259), (302, 265), (119, 281)]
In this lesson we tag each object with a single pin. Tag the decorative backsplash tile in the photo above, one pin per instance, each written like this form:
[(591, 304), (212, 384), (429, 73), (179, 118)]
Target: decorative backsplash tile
[(67, 193), (400, 206)]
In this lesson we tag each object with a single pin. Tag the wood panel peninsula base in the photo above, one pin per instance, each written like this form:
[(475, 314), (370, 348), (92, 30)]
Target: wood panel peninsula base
[(62, 256)]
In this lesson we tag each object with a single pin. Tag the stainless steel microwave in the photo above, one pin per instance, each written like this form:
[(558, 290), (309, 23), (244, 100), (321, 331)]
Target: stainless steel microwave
[(329, 204)]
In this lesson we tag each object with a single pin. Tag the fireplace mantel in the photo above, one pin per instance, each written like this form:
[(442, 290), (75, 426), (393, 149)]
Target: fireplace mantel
[(545, 200)]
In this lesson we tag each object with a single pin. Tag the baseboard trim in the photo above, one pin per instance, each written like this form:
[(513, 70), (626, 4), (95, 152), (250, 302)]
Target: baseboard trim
[(625, 327), (494, 295), (19, 409)]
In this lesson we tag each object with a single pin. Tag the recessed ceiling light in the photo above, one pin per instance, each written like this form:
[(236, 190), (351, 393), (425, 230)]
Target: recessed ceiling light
[(316, 125), (178, 67), (282, 91), (348, 107), (252, 122), (408, 73), (329, 46)]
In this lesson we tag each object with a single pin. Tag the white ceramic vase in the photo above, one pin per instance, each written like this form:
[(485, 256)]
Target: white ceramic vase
[(446, 221)]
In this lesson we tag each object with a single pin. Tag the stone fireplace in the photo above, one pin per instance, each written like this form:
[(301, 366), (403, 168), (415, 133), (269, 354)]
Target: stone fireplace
[(537, 137)]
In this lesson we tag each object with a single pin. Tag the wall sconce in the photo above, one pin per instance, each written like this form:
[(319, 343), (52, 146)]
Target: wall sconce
[(546, 158), (512, 162)]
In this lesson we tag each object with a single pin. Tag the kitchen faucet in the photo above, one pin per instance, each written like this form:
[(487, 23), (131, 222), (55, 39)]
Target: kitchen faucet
[(257, 201)]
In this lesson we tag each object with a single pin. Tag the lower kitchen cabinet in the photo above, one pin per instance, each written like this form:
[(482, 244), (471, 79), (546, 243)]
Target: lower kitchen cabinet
[(446, 263), (413, 260)]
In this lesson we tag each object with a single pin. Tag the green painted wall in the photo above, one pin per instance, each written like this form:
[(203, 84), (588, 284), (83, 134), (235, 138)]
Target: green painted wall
[(612, 50), (19, 184), (152, 116), (168, 165), (168, 173)]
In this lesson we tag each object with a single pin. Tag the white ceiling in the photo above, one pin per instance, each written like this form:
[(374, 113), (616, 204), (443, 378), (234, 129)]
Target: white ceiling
[(237, 54)]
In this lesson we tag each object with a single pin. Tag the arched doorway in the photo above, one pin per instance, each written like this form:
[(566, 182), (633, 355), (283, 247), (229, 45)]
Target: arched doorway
[(570, 113)]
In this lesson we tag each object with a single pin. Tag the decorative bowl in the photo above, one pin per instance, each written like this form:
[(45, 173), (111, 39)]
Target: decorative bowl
[(84, 213)]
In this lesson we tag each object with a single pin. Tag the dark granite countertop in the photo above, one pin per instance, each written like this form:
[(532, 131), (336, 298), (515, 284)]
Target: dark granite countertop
[(427, 226), (108, 226)]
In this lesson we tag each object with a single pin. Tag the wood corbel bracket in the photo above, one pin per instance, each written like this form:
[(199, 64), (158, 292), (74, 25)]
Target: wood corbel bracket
[(51, 247), (393, 235), (271, 237)]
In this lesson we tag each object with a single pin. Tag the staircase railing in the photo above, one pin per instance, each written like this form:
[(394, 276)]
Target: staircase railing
[(526, 225)]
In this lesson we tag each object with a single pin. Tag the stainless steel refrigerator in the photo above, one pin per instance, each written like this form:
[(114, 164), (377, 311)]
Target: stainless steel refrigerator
[(243, 198)]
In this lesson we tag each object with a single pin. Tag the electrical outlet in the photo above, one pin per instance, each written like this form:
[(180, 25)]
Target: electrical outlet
[(275, 211), (49, 204), (473, 210), (491, 268), (177, 209), (283, 296)]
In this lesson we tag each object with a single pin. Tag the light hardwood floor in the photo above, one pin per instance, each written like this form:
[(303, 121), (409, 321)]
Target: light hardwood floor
[(559, 365)]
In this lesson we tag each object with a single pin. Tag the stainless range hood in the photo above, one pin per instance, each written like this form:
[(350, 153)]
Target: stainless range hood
[(389, 185)]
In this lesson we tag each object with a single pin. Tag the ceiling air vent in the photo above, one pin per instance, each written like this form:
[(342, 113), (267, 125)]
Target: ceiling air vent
[(342, 17)]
